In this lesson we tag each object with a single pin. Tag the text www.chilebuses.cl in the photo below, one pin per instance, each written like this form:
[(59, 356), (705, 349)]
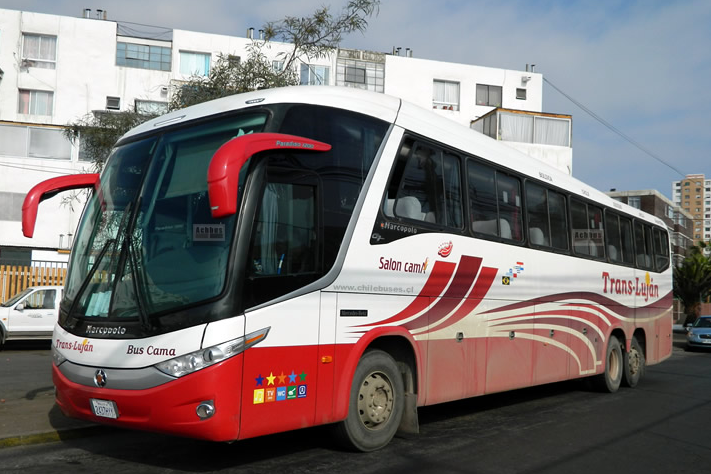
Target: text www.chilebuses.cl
[(397, 290)]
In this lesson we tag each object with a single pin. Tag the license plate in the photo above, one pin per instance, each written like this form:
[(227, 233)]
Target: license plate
[(104, 408)]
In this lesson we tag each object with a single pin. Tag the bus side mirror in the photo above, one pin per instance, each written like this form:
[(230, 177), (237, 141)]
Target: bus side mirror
[(47, 189), (226, 163)]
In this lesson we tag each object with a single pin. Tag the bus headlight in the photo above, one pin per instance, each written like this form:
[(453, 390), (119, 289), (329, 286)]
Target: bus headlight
[(194, 361), (57, 357)]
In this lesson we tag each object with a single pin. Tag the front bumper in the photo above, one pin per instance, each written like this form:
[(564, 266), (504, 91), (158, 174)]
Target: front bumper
[(168, 408)]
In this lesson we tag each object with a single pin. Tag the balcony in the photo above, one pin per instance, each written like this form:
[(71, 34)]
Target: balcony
[(546, 137)]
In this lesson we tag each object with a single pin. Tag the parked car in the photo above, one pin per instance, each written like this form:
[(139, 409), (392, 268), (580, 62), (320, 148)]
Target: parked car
[(30, 314), (699, 333)]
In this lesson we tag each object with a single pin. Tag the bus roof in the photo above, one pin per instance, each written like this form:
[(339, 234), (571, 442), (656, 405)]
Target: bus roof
[(409, 116), (377, 105)]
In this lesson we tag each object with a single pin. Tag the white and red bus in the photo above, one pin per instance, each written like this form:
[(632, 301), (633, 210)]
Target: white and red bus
[(322, 255)]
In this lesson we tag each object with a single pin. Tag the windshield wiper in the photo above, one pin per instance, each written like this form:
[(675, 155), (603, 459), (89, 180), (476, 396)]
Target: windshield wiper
[(138, 285)]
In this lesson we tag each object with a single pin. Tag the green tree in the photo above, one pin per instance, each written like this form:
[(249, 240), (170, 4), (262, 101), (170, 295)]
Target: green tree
[(311, 37), (692, 282), (99, 132)]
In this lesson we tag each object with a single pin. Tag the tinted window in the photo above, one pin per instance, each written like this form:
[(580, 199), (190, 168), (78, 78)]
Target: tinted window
[(425, 186), (661, 249), (644, 258), (559, 220), (355, 139), (495, 202), (588, 236), (537, 214), (482, 198)]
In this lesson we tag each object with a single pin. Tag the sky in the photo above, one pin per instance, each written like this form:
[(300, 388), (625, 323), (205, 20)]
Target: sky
[(642, 66)]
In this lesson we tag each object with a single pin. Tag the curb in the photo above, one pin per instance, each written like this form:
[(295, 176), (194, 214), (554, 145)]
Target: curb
[(51, 436)]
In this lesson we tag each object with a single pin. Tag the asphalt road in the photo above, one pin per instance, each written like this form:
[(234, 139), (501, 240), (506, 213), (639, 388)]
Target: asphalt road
[(658, 427)]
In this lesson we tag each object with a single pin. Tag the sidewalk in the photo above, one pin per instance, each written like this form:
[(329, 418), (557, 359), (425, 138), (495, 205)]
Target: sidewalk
[(36, 419)]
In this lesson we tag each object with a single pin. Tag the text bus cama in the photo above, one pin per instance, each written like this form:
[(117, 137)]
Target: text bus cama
[(333, 256)]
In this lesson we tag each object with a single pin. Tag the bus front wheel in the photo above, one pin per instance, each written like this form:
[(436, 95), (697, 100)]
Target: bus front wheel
[(610, 379), (375, 405)]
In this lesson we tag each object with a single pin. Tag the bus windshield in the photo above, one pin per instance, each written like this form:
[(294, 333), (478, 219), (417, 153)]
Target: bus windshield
[(147, 242)]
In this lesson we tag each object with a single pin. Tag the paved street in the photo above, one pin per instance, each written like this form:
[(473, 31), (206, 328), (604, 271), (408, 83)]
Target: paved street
[(659, 427)]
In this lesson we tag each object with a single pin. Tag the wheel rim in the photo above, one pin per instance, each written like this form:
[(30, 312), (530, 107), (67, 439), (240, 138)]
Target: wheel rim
[(375, 400), (633, 361), (614, 364)]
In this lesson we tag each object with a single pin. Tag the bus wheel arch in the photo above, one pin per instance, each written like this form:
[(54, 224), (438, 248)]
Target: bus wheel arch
[(382, 397), (634, 360)]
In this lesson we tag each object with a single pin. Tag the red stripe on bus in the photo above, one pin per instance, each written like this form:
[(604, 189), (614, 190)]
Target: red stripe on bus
[(481, 288), (437, 281), (462, 282)]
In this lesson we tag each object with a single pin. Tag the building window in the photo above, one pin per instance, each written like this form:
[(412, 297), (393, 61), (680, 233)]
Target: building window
[(39, 51), (143, 56), (11, 207), (196, 64), (355, 74), (151, 107), (520, 93), (35, 102), (634, 201), (277, 66), (34, 142), (313, 75), (49, 143), (234, 60), (670, 212), (445, 95), (113, 103), (367, 75), (488, 95)]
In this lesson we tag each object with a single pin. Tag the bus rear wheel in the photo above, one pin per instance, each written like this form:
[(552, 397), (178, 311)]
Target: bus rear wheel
[(375, 405), (609, 381), (634, 364)]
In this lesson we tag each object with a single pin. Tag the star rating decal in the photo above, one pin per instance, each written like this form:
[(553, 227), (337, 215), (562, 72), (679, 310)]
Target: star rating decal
[(276, 388)]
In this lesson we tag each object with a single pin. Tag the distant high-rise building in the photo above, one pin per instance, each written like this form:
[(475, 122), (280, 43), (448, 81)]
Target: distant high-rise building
[(693, 194)]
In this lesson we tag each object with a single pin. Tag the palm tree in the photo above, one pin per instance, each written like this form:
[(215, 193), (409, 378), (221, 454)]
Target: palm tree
[(692, 282)]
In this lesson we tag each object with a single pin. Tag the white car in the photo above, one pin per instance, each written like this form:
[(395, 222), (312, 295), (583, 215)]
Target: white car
[(30, 314)]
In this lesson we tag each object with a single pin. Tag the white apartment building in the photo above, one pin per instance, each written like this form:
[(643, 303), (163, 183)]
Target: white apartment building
[(57, 69)]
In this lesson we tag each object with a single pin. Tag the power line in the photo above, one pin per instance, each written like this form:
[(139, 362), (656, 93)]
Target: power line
[(614, 129), (45, 169)]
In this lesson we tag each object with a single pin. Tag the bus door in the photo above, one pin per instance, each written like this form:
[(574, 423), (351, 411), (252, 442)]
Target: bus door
[(280, 374)]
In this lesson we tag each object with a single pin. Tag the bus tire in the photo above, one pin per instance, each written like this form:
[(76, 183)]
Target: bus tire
[(375, 405), (609, 381), (634, 364)]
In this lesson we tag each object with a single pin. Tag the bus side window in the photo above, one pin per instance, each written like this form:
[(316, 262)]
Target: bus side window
[(559, 220), (482, 199), (510, 215), (597, 231), (644, 259), (661, 249), (627, 241), (417, 196), (648, 247), (614, 249), (537, 215), (425, 186), (579, 221)]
